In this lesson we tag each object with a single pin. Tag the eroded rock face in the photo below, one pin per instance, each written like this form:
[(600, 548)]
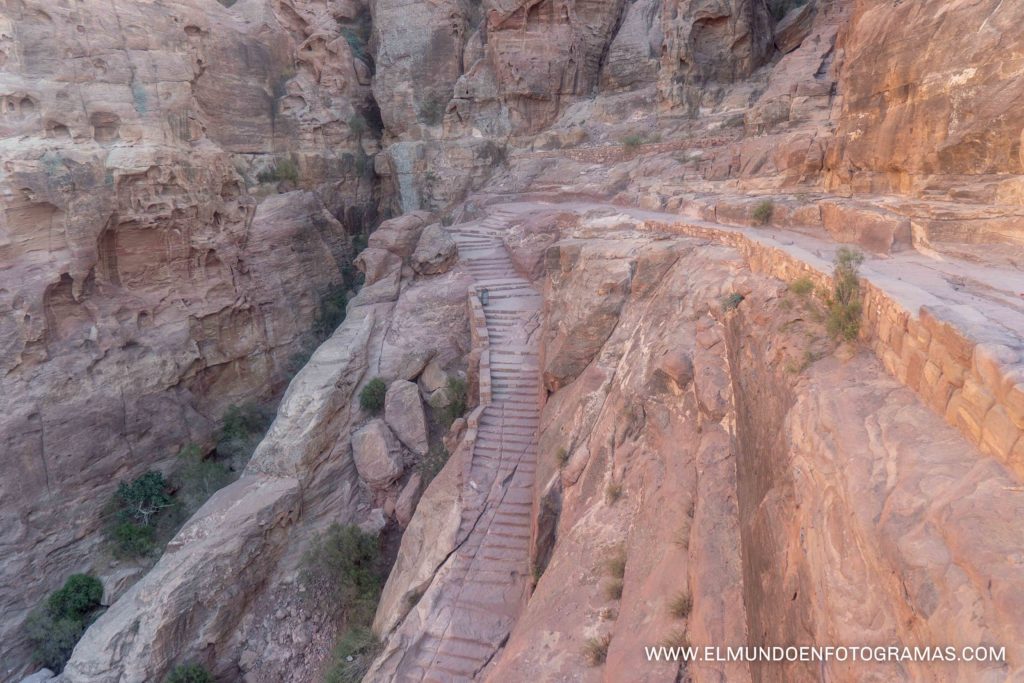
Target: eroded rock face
[(708, 43), (917, 86), (147, 278), (316, 450)]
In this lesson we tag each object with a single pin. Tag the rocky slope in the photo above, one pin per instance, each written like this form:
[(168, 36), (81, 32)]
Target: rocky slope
[(713, 473), (147, 277)]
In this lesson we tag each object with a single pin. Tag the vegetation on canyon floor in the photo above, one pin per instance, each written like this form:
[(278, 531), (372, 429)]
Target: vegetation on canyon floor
[(189, 673), (54, 628), (344, 568)]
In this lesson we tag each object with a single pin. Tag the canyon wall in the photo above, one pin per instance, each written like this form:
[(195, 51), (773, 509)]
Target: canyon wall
[(180, 187), (153, 266)]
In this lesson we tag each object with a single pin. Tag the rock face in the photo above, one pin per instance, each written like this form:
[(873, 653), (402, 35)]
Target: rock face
[(709, 43), (147, 278), (953, 155), (377, 455), (403, 412), (308, 472), (179, 184)]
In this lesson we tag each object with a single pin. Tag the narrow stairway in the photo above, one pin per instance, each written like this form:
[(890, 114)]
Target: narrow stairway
[(490, 571)]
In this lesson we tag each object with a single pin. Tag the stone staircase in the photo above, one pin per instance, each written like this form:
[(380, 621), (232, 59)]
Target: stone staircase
[(490, 571)]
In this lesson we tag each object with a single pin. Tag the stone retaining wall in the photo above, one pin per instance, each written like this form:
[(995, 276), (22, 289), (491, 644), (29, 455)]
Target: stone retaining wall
[(480, 359), (976, 387)]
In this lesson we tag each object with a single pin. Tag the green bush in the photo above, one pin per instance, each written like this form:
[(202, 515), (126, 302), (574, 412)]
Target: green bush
[(763, 212), (371, 398), (357, 124), (844, 305), (285, 169), (342, 568), (242, 429), (134, 511), (189, 673), (143, 498), (133, 540), (55, 628), (198, 477), (78, 597), (432, 109)]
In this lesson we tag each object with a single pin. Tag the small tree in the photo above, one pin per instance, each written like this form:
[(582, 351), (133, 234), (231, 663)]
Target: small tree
[(844, 305), (143, 498), (371, 398)]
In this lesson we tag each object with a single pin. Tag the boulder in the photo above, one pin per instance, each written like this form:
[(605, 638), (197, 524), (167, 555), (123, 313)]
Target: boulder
[(377, 263), (408, 499), (436, 251), (377, 454), (433, 377), (39, 676), (403, 412), (400, 235)]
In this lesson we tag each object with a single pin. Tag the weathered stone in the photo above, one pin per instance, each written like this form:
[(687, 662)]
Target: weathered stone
[(877, 231), (377, 454), (403, 411), (148, 278), (407, 500), (794, 27), (400, 235), (433, 377), (436, 251)]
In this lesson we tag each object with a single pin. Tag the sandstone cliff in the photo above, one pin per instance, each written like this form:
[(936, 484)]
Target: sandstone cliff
[(148, 278), (660, 420)]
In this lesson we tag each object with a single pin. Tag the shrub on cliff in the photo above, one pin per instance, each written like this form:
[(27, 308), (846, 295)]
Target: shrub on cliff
[(342, 566), (844, 306), (189, 673), (198, 477), (54, 629), (371, 398), (763, 212), (134, 511)]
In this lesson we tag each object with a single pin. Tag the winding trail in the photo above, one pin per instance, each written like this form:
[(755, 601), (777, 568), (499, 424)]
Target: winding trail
[(490, 572)]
